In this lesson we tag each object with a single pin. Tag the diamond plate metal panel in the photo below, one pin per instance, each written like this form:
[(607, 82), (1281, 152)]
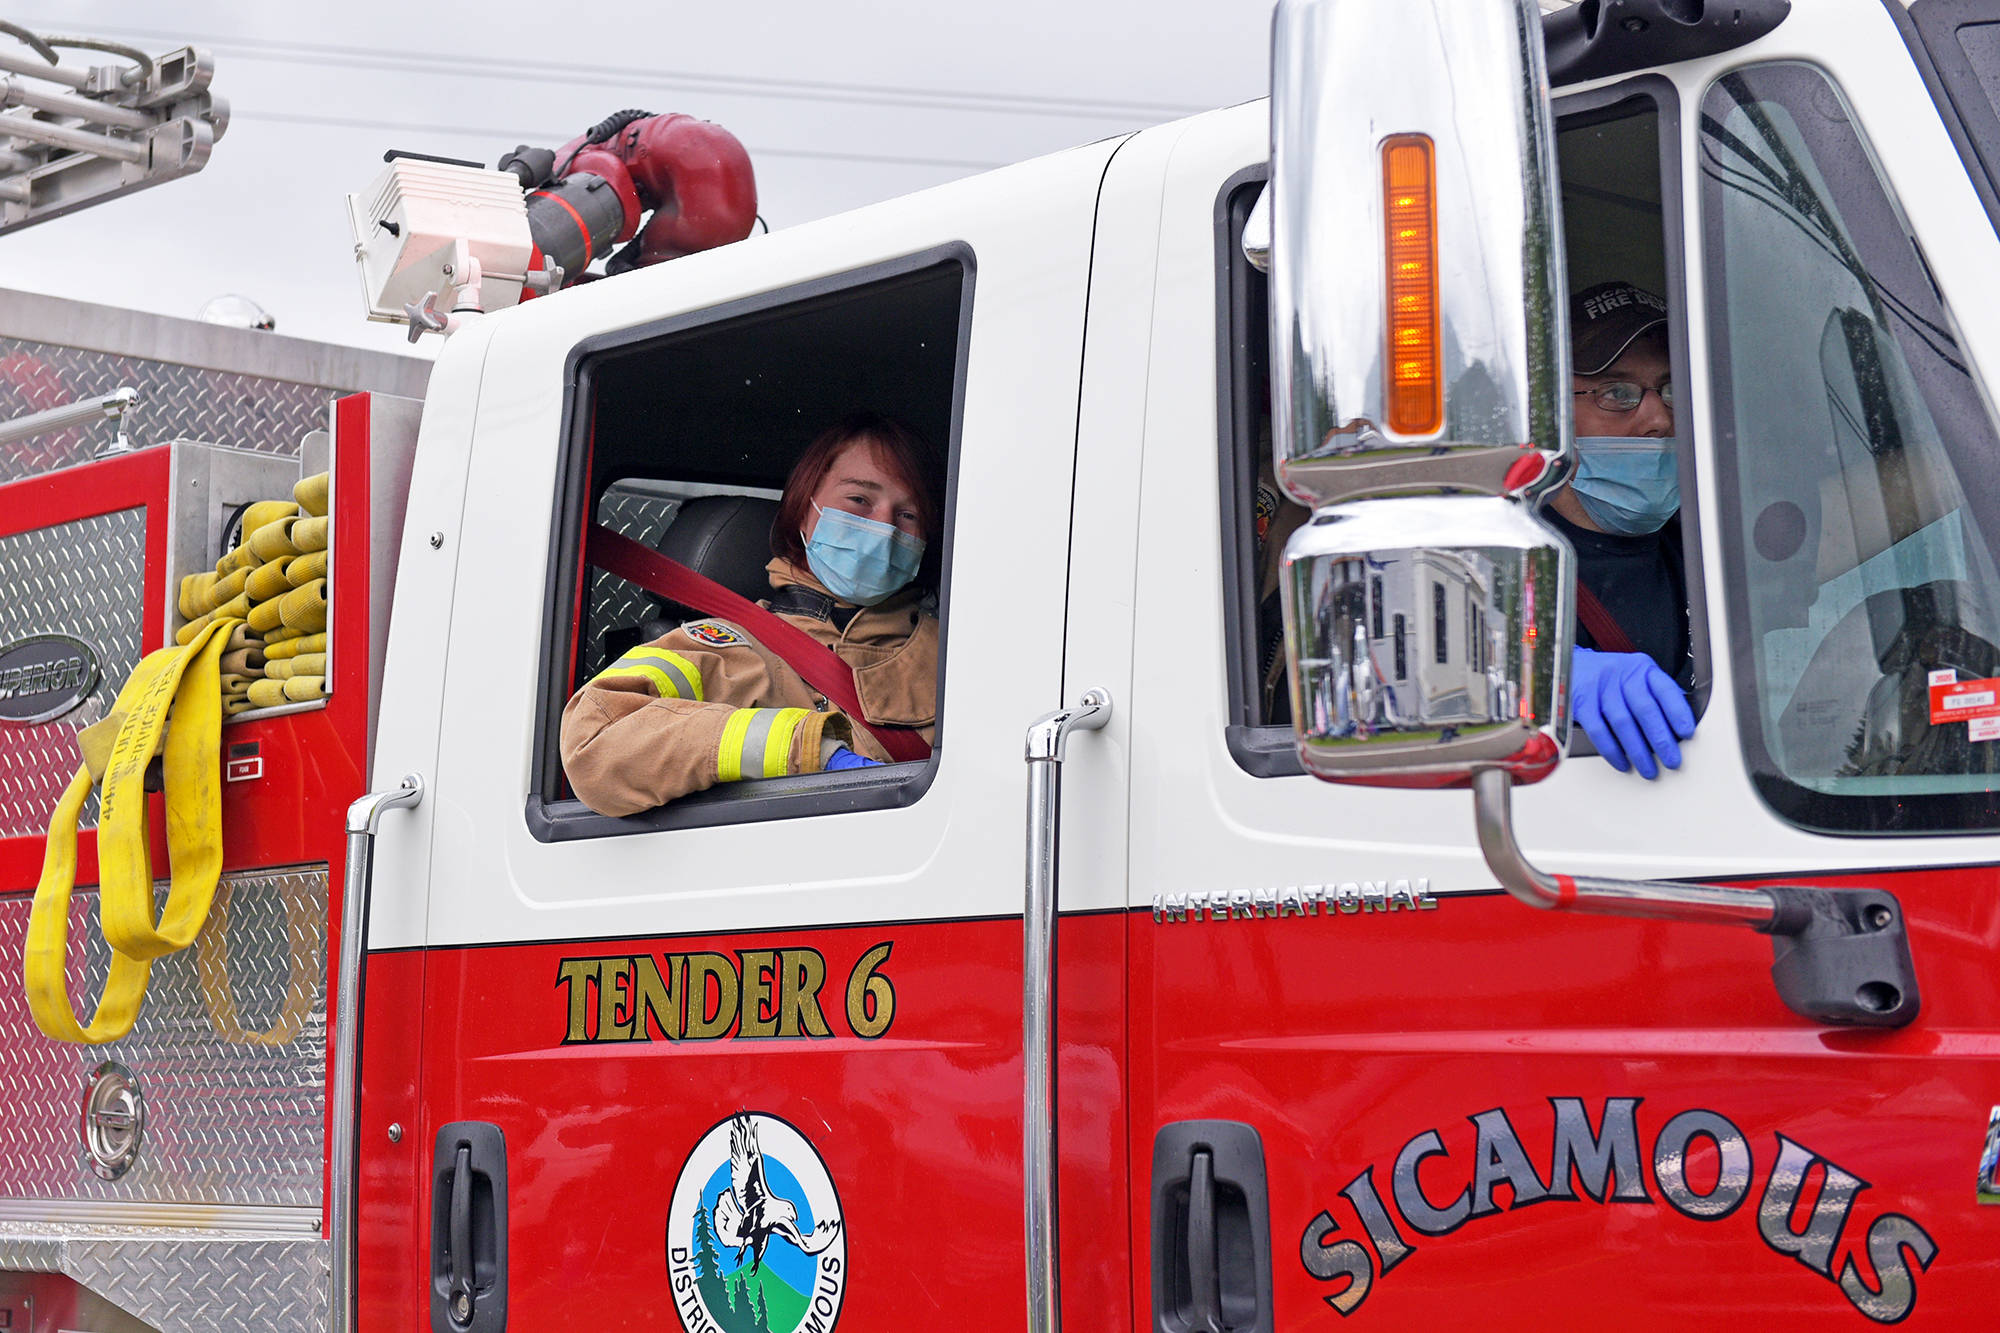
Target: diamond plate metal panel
[(184, 1282), (227, 1122), (87, 579), (614, 603), (175, 402)]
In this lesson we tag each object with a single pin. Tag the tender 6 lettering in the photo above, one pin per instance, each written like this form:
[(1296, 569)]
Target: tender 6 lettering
[(1347, 897), (754, 993), (1607, 1165)]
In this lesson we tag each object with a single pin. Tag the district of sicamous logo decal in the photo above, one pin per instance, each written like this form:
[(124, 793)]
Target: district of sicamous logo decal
[(755, 1242)]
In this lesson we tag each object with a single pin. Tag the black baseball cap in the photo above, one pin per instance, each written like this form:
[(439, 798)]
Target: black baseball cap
[(1605, 320)]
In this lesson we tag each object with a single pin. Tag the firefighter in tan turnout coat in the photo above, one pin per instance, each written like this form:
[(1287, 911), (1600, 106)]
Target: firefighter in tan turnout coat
[(709, 703)]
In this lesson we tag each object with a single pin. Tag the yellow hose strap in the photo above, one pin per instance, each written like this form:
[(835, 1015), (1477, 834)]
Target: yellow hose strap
[(311, 493), (186, 682), (304, 949)]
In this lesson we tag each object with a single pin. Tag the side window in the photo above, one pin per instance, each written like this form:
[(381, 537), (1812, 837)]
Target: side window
[(1616, 154), (682, 439), (1858, 464)]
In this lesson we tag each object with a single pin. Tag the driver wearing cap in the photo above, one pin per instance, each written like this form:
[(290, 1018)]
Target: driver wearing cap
[(1620, 511)]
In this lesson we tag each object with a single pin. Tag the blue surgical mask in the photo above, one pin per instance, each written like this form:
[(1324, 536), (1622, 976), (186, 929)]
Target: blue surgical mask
[(859, 559), (1627, 484)]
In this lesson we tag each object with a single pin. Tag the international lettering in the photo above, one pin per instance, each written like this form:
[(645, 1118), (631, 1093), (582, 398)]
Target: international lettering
[(1606, 1164), (1347, 898)]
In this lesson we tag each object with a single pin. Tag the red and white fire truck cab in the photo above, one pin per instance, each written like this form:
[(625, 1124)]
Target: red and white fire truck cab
[(1269, 1053)]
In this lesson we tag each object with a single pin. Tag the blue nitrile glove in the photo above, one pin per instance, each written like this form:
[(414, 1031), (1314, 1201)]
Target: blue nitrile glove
[(844, 758), (1630, 709)]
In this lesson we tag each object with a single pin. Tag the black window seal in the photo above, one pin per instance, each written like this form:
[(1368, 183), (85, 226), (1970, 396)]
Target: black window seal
[(1902, 815), (1268, 751), (1929, 28), (554, 819)]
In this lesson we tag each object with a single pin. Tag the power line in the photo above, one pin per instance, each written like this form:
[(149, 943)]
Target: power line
[(935, 99), (498, 136)]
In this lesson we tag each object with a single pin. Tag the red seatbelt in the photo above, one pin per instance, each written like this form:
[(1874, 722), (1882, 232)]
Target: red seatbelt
[(818, 664), (1610, 638)]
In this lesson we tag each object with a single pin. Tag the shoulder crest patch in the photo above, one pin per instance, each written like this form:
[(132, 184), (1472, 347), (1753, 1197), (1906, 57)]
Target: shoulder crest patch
[(713, 633)]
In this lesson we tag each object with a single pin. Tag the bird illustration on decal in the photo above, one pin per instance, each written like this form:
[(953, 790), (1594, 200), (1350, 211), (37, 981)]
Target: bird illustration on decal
[(748, 1213)]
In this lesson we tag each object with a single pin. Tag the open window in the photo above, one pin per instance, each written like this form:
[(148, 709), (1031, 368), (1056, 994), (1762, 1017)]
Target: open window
[(681, 436), (1618, 155)]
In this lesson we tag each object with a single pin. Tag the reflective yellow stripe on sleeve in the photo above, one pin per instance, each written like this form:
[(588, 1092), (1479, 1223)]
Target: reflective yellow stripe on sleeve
[(672, 675), (757, 742), (778, 748)]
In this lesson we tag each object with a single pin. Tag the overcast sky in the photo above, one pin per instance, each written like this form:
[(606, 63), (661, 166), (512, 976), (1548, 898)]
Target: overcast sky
[(840, 104)]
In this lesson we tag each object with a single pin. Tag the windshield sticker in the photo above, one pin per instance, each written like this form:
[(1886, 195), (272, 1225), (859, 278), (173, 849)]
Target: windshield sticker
[(755, 1238), (1955, 700), (1608, 1166)]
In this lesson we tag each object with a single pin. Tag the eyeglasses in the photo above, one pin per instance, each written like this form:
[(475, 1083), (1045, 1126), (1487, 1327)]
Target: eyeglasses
[(1625, 396)]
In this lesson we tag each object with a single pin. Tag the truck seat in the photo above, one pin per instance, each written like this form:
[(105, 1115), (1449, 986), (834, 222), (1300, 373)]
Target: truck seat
[(725, 537)]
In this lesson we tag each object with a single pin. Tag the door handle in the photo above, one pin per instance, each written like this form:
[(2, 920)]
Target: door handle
[(469, 1229), (1211, 1229)]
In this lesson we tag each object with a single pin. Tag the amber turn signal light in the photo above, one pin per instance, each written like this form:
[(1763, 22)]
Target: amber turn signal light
[(1409, 212)]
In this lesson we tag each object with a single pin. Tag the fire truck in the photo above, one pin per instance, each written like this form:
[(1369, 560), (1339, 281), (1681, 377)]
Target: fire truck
[(1109, 1013)]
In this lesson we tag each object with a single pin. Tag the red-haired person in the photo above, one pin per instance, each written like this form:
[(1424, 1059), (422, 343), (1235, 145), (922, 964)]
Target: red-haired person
[(708, 703)]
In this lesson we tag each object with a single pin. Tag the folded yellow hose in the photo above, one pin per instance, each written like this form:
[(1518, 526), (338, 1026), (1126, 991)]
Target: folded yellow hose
[(264, 616), (304, 569), (235, 609), (274, 540), (309, 534), (193, 602), (274, 637), (225, 589), (241, 662), (311, 493), (297, 690), (241, 637), (268, 580), (184, 681), (305, 664), (264, 513), (296, 646), (304, 607), (238, 557)]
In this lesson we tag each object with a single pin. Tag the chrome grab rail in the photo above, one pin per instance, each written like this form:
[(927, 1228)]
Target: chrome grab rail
[(1665, 900), (362, 817), (1046, 741)]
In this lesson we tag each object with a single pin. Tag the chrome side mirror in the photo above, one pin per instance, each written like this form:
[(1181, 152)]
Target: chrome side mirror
[(1416, 665), (1420, 387), (1418, 312)]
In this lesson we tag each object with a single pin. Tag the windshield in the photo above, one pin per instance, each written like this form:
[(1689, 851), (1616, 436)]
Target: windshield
[(1857, 457)]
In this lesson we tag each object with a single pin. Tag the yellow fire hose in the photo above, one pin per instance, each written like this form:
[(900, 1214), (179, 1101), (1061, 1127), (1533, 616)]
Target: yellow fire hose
[(183, 683)]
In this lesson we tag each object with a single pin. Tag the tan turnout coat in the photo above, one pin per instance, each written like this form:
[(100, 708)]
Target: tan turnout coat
[(708, 703)]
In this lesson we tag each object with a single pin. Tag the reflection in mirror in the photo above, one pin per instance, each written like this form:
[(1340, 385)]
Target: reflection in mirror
[(1418, 665)]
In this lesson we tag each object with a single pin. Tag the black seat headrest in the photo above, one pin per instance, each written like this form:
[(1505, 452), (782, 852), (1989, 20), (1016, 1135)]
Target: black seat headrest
[(725, 537)]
